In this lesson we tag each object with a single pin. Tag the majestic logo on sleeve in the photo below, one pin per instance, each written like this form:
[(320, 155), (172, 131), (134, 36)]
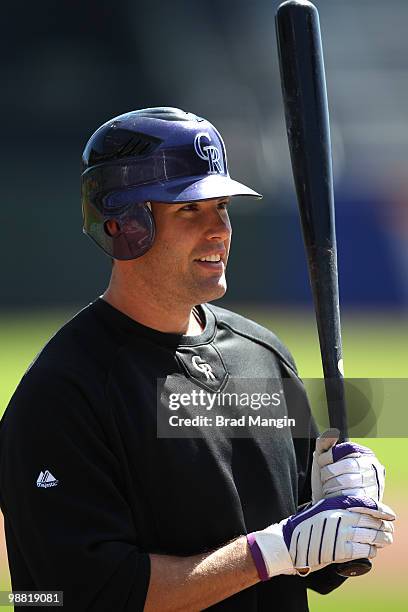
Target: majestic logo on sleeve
[(203, 367), (46, 479), (209, 152)]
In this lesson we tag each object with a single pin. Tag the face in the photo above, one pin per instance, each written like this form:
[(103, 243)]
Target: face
[(186, 235)]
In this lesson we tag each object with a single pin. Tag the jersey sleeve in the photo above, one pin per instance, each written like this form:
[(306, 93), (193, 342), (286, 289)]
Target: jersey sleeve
[(68, 524)]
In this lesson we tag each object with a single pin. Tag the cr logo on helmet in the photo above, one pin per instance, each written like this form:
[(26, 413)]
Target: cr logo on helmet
[(210, 152)]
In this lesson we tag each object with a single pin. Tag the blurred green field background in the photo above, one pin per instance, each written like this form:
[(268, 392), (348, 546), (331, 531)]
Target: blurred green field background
[(375, 346)]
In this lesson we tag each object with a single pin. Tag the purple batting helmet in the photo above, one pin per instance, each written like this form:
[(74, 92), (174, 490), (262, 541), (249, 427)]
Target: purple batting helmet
[(155, 154)]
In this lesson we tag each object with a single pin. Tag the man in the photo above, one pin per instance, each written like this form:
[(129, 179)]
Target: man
[(96, 503)]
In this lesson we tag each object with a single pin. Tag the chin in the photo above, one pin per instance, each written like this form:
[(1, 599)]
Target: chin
[(213, 293)]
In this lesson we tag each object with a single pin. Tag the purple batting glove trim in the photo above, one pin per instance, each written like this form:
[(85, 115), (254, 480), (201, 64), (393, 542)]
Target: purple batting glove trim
[(257, 557), (347, 448), (321, 540), (335, 538), (333, 503), (378, 482)]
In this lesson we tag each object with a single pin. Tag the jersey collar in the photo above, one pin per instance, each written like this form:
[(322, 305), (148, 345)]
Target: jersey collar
[(131, 327)]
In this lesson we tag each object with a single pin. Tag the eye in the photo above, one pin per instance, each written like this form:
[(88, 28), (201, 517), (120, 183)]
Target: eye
[(224, 205), (189, 207)]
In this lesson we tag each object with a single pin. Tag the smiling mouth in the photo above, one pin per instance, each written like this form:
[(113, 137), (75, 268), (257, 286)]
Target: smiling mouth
[(211, 262), (214, 258)]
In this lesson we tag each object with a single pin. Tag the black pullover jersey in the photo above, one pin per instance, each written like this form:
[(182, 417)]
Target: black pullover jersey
[(88, 489)]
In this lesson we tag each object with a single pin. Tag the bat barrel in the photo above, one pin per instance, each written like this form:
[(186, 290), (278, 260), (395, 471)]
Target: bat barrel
[(307, 114)]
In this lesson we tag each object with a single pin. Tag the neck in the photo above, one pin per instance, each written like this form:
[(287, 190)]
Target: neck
[(163, 316)]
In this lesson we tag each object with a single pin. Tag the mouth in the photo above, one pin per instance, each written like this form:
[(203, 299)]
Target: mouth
[(212, 261)]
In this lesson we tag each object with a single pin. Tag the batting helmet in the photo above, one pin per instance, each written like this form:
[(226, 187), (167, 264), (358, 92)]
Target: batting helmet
[(155, 154)]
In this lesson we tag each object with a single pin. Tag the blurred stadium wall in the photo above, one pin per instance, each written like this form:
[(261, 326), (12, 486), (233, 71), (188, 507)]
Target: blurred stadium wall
[(69, 66)]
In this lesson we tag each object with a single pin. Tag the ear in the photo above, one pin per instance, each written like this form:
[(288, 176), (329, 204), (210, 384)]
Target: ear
[(111, 227)]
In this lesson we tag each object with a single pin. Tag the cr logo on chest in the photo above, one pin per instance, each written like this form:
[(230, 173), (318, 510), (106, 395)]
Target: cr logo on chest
[(203, 367)]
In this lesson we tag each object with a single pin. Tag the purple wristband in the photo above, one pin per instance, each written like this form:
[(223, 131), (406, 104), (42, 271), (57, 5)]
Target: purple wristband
[(257, 557)]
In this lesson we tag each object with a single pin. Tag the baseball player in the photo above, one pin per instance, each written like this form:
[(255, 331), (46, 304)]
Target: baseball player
[(96, 504)]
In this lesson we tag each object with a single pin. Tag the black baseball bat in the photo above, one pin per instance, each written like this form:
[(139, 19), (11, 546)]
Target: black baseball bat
[(308, 129)]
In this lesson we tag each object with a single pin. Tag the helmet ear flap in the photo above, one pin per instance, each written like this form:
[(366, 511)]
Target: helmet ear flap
[(136, 232), (124, 233)]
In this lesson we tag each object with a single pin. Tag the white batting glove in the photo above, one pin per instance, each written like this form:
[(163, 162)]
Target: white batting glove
[(345, 469), (332, 531)]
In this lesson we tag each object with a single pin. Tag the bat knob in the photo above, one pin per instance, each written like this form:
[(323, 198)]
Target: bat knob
[(303, 6), (357, 567), (295, 3)]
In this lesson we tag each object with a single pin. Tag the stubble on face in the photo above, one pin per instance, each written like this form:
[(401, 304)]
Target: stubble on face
[(170, 269)]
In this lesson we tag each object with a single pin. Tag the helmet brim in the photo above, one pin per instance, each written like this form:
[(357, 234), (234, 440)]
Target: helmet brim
[(206, 188), (186, 190)]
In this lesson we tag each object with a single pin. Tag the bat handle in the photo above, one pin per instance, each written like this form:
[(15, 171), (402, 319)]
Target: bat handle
[(356, 567)]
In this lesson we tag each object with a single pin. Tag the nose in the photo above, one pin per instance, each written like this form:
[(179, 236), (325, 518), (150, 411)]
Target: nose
[(219, 226)]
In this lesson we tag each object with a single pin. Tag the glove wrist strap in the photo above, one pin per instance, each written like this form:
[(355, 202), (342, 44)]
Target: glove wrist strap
[(257, 557)]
